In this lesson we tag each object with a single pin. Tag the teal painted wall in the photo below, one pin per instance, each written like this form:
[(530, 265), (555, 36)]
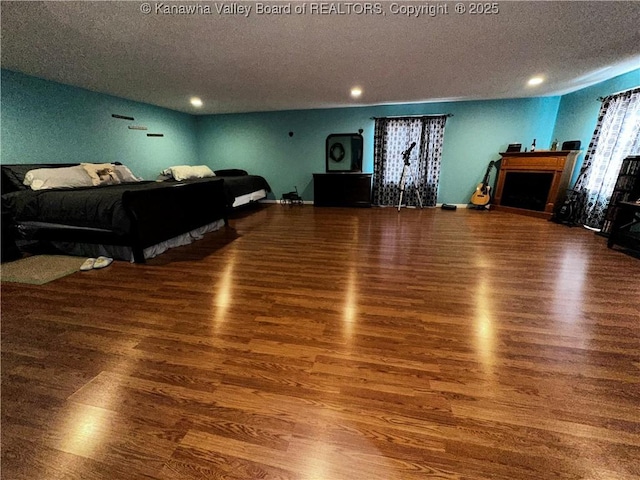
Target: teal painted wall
[(578, 112), (260, 142), (46, 122)]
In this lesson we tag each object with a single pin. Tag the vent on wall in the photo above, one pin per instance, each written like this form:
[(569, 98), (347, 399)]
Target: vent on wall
[(122, 117), (155, 134)]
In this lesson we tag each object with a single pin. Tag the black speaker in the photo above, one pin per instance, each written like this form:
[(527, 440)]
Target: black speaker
[(514, 147), (571, 145)]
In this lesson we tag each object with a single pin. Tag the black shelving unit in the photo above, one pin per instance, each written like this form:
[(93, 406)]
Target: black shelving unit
[(627, 189)]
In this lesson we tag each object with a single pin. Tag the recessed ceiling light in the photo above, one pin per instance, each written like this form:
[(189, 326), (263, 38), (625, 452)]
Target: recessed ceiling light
[(535, 81), (196, 102), (356, 92)]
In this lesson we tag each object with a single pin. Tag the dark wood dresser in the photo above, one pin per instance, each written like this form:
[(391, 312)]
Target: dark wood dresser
[(344, 189)]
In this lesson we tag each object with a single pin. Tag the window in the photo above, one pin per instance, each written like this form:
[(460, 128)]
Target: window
[(394, 137), (617, 135)]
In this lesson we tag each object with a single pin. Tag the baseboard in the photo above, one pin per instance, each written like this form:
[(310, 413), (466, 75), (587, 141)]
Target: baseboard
[(306, 202), (438, 205)]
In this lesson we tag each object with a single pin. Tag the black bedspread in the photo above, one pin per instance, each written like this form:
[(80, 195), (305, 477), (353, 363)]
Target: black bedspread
[(235, 185), (101, 207), (93, 207), (241, 185), (136, 215)]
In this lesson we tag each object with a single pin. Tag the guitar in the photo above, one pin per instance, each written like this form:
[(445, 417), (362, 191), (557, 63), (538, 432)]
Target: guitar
[(482, 195)]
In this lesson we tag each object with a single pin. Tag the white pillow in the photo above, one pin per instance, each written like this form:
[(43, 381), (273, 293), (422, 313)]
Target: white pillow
[(186, 172), (125, 175), (101, 173), (62, 177)]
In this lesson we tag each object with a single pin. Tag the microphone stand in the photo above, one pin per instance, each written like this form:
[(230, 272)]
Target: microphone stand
[(403, 178)]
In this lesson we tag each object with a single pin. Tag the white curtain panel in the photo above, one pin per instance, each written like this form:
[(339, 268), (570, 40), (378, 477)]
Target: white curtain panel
[(616, 137), (393, 136)]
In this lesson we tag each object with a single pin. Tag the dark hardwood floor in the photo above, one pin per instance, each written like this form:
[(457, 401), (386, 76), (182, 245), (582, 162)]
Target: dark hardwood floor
[(333, 344)]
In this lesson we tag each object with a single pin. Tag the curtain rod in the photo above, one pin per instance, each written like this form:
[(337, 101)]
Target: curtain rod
[(630, 90), (416, 116)]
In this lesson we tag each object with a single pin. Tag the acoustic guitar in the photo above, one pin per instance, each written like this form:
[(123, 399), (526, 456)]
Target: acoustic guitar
[(482, 195)]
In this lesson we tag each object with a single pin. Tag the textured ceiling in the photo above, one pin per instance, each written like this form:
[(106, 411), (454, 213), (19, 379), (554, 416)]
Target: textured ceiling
[(260, 62)]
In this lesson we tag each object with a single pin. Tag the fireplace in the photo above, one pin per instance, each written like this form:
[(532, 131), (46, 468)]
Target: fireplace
[(527, 190), (533, 183)]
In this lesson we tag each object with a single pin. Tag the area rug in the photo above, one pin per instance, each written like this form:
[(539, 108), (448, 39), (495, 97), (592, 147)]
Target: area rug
[(40, 269)]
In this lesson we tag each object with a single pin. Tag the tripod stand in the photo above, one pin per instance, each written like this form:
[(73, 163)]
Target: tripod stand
[(406, 172)]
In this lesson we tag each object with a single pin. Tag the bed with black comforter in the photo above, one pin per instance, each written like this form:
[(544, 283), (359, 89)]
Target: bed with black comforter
[(242, 188), (136, 215)]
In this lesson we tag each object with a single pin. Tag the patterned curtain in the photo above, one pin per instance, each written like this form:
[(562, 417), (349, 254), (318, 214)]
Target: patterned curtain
[(393, 136), (617, 135)]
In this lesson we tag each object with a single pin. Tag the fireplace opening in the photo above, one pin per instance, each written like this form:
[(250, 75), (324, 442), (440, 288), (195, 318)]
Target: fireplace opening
[(527, 190)]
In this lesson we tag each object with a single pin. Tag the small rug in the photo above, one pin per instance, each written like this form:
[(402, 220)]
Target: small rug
[(40, 269)]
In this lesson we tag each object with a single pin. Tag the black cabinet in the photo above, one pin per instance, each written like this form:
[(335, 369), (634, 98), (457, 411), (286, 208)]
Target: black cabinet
[(627, 189), (622, 219), (342, 189), (626, 218)]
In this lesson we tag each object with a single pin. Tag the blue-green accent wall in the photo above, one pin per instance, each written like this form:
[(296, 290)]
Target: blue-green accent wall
[(578, 112), (47, 122), (477, 132)]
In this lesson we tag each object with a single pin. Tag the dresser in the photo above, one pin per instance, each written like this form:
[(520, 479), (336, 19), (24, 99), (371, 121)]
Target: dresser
[(346, 189)]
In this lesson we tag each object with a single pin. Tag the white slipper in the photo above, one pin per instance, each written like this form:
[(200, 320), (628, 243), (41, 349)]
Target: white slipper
[(102, 262), (88, 264)]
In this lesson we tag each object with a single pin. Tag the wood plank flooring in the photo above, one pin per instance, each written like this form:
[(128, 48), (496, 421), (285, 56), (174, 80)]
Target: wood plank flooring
[(333, 344)]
